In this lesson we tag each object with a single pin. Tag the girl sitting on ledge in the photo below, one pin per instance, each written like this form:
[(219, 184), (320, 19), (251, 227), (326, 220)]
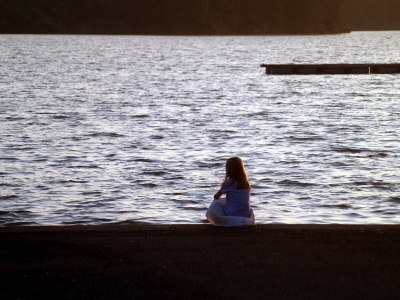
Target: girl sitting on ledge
[(234, 210)]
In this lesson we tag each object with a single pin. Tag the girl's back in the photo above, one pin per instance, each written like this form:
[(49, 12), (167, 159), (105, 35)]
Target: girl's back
[(237, 201), (237, 188)]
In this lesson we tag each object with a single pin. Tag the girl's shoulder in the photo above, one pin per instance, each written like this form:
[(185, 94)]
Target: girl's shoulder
[(228, 183)]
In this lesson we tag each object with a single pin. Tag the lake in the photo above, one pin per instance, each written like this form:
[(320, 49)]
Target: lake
[(126, 129)]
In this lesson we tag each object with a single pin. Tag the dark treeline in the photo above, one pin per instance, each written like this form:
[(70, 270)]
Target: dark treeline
[(372, 14), (177, 17)]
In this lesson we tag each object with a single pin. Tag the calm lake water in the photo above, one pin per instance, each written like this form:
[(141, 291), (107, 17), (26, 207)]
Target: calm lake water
[(125, 129)]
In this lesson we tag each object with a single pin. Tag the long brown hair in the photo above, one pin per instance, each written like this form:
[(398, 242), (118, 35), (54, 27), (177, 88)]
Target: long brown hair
[(234, 169)]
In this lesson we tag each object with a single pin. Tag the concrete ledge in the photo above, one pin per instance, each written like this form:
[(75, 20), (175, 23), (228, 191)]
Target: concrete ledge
[(200, 262)]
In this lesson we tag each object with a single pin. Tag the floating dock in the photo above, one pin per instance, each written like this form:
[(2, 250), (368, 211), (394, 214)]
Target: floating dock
[(332, 69)]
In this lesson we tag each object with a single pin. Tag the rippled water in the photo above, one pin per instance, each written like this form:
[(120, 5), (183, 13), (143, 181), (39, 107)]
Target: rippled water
[(123, 129)]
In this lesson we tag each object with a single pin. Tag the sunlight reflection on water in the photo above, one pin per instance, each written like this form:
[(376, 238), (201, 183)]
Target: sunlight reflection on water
[(121, 129)]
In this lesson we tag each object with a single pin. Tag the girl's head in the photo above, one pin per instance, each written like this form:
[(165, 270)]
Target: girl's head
[(234, 169)]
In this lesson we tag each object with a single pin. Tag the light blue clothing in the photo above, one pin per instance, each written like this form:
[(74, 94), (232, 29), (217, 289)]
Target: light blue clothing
[(216, 216), (237, 201)]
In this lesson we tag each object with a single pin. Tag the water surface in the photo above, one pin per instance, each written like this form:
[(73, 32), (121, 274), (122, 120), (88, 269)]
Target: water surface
[(124, 129)]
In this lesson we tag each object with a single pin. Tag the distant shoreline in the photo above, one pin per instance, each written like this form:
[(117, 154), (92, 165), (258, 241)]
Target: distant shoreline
[(192, 35), (176, 17), (196, 17)]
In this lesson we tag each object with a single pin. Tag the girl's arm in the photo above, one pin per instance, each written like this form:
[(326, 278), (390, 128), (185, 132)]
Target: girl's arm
[(218, 194)]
